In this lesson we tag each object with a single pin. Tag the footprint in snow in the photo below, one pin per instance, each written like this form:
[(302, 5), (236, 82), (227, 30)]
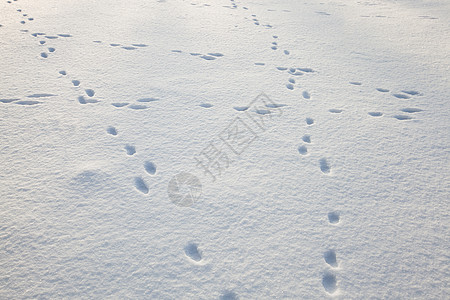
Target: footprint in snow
[(330, 258), (229, 296), (140, 185), (333, 217), (324, 166), (90, 92), (150, 167), (111, 130), (302, 150), (191, 250), (130, 149), (329, 282)]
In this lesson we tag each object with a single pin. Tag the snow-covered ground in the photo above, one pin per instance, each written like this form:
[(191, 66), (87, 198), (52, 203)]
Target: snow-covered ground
[(217, 149)]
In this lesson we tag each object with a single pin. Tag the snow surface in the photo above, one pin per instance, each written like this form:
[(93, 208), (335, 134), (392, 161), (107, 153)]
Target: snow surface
[(324, 123)]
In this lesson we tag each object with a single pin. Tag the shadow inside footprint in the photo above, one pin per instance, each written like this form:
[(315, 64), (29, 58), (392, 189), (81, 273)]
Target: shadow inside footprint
[(324, 167), (90, 92), (193, 252), (330, 258), (333, 217), (130, 149), (229, 296), (111, 130), (302, 150), (150, 167), (141, 185), (306, 138), (329, 282)]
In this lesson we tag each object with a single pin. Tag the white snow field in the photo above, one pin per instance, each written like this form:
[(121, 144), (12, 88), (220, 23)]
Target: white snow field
[(217, 149)]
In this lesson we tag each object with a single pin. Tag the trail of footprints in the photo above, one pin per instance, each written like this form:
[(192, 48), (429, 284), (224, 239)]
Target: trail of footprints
[(192, 250), (131, 47), (148, 166), (401, 95), (329, 280), (208, 56)]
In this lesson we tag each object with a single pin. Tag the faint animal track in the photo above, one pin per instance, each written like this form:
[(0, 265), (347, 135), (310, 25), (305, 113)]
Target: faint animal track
[(309, 121), (229, 296), (9, 100), (275, 105), (90, 92), (355, 83), (51, 49), (241, 108), (207, 57), (329, 282), (27, 102), (36, 34), (130, 149), (259, 64), (119, 104), (286, 52), (411, 110), (216, 54), (402, 117), (76, 82), (140, 184), (282, 68), (42, 42), (44, 55), (274, 47), (111, 130), (291, 80), (306, 138), (193, 252), (128, 48), (401, 96), (150, 167), (40, 95), (192, 53), (330, 258), (262, 111), (137, 106), (290, 86), (83, 100), (306, 70), (140, 45), (64, 73), (147, 99), (333, 217), (306, 95), (114, 45), (412, 93), (51, 37), (335, 111), (206, 105), (375, 113), (177, 51), (382, 90), (64, 35), (324, 166), (302, 150)]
